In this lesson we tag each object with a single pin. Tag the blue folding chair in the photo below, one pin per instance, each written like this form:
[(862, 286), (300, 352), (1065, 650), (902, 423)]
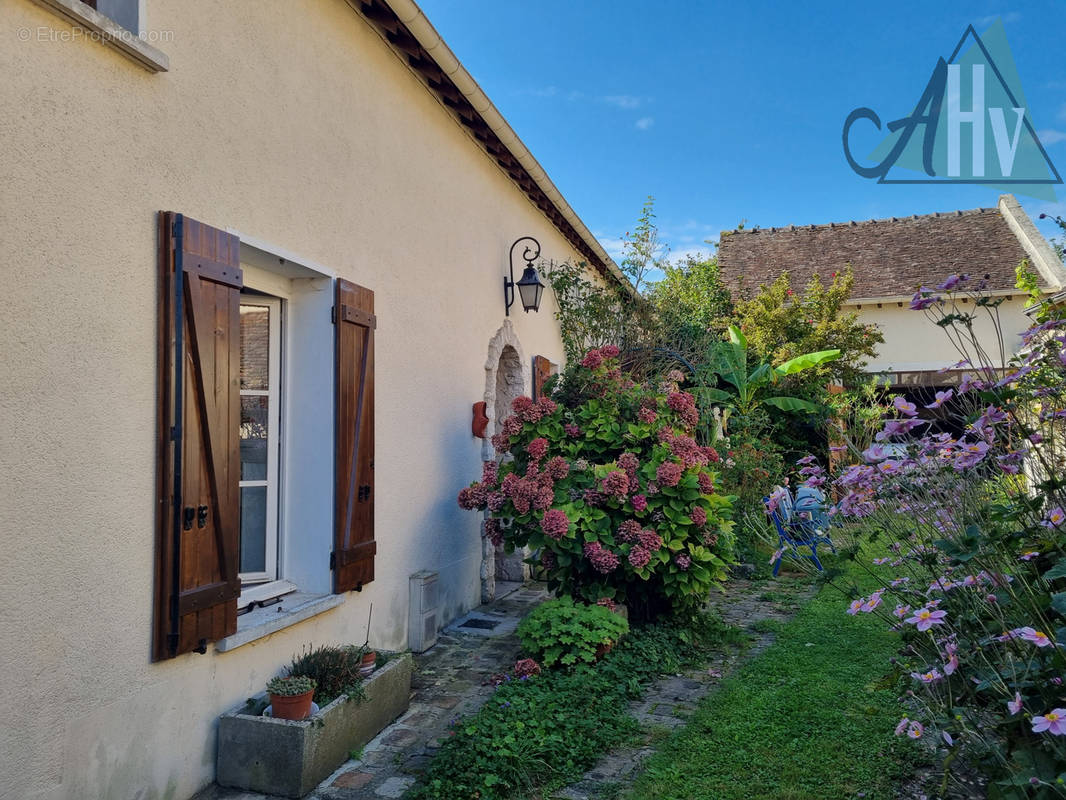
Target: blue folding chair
[(800, 522)]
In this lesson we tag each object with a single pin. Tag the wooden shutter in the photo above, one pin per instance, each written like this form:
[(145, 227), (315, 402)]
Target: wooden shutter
[(353, 545), (542, 370), (198, 532)]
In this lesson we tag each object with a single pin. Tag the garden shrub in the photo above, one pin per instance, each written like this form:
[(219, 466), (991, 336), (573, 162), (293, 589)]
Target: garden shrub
[(563, 632), (611, 491), (975, 527)]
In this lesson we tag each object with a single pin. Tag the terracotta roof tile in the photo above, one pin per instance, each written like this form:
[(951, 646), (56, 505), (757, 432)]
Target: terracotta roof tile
[(890, 257)]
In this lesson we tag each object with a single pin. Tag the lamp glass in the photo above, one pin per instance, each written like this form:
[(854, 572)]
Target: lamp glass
[(530, 288)]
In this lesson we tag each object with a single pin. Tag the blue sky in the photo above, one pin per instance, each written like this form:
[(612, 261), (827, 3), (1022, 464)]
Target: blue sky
[(733, 111)]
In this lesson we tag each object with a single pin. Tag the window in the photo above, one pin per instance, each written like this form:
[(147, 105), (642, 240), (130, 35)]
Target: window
[(266, 439), (114, 23), (125, 12), (259, 433)]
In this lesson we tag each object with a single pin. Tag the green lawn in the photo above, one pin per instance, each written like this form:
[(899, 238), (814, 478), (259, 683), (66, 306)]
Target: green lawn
[(805, 719)]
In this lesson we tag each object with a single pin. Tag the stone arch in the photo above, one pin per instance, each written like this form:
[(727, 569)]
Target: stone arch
[(505, 379), (512, 378)]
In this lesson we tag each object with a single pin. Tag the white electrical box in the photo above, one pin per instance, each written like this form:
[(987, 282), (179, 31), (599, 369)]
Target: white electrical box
[(423, 619)]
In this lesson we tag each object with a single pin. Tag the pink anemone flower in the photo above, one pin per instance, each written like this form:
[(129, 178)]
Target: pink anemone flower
[(1054, 722), (924, 619), (1015, 706)]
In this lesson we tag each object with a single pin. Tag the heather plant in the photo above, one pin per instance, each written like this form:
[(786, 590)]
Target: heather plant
[(563, 632), (335, 671), (610, 491), (968, 529)]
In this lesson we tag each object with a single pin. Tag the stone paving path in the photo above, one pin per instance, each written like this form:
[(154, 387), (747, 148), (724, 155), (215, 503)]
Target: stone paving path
[(453, 679), (669, 702)]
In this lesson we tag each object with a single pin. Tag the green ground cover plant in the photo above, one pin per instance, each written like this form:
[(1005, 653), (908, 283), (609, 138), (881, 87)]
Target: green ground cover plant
[(563, 632), (540, 732), (809, 719)]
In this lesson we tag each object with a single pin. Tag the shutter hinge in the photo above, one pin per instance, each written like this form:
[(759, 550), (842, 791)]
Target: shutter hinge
[(333, 560), (333, 315), (174, 434)]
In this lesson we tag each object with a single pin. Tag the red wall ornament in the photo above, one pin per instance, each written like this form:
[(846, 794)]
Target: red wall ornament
[(480, 420)]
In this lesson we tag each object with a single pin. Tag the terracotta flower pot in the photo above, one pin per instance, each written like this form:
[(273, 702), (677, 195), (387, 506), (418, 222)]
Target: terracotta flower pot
[(291, 706), (368, 663)]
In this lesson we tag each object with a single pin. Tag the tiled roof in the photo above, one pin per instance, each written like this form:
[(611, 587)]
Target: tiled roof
[(890, 257)]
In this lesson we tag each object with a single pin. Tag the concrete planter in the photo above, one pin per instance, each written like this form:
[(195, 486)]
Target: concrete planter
[(291, 757)]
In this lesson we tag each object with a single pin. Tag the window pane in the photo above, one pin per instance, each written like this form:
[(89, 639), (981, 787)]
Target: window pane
[(254, 422), (255, 346), (253, 528)]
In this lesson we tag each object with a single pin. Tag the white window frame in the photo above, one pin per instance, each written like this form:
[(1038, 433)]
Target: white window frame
[(272, 483)]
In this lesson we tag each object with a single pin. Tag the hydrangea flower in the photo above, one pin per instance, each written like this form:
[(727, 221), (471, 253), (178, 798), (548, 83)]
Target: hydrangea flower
[(668, 473), (602, 559), (555, 523), (616, 483), (639, 557)]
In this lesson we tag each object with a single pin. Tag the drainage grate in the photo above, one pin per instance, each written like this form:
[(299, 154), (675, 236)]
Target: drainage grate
[(482, 624)]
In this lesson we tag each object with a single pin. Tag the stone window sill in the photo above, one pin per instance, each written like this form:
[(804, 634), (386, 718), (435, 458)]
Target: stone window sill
[(262, 622), (96, 26)]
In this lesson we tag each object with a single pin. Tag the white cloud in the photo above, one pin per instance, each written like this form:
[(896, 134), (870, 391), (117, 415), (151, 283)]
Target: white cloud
[(626, 101), (644, 123), (1049, 136), (615, 246), (1010, 16)]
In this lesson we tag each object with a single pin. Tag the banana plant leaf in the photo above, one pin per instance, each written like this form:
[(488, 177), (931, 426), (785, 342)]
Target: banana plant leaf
[(806, 361), (792, 404)]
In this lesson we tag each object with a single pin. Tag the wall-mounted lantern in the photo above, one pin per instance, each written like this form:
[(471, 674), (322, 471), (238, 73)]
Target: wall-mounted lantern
[(529, 286)]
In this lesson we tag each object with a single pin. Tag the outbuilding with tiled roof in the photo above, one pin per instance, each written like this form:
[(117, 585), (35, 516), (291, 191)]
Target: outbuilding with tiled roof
[(892, 258)]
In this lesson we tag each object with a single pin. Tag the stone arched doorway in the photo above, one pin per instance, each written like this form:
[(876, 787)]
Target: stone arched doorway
[(505, 379)]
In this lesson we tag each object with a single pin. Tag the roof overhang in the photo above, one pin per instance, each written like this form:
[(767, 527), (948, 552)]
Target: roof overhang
[(405, 29)]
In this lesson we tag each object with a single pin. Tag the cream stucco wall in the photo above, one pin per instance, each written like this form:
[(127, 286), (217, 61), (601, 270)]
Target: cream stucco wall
[(914, 343), (291, 123)]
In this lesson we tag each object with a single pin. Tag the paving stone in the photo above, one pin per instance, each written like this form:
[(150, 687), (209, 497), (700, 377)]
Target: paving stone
[(353, 780), (394, 787), (420, 718), (400, 737)]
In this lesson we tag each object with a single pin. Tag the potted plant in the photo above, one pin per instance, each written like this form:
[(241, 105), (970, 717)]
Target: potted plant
[(369, 661), (290, 696)]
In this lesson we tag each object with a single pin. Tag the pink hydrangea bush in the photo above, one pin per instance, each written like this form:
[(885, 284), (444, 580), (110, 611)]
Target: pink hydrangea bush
[(610, 489), (975, 576)]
